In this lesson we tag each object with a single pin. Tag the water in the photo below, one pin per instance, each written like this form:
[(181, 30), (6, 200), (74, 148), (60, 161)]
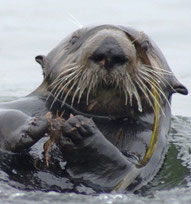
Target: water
[(29, 28)]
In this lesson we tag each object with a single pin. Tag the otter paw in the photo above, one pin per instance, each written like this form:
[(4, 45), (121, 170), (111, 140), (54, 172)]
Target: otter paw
[(31, 132), (37, 127), (77, 128)]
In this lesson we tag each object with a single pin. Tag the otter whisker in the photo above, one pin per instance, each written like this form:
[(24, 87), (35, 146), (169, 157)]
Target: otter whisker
[(76, 92), (162, 79), (159, 76), (162, 74), (65, 83), (65, 77), (140, 108), (141, 87), (150, 79), (52, 90), (115, 77), (93, 81), (158, 87), (74, 95), (158, 69), (68, 68), (151, 76), (74, 20), (76, 76), (86, 83), (61, 90), (89, 89), (56, 87), (55, 96), (58, 82), (134, 92), (78, 86), (61, 75), (68, 92), (155, 100), (152, 95), (126, 95), (55, 82), (116, 82), (153, 71), (95, 84), (129, 88), (152, 82), (83, 86)]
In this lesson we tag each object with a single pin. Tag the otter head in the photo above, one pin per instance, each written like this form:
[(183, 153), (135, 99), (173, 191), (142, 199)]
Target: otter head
[(108, 70)]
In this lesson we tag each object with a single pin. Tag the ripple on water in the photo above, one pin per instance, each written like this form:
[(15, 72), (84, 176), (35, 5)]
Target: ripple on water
[(181, 137)]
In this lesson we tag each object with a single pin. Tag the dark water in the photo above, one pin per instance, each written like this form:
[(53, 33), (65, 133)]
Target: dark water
[(29, 28)]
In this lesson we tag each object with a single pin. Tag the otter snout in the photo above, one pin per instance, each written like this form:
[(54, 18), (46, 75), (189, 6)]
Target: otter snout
[(109, 54)]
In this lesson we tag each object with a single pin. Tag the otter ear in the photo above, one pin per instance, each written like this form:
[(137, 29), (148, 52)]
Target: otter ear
[(180, 88), (40, 59)]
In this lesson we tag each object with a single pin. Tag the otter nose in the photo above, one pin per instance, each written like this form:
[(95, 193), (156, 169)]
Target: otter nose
[(109, 54)]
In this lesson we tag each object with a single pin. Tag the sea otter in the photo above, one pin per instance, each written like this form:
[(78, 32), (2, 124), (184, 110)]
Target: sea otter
[(108, 90)]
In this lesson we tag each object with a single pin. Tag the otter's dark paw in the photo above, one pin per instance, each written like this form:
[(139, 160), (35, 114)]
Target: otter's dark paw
[(37, 127), (78, 139), (31, 132), (78, 128)]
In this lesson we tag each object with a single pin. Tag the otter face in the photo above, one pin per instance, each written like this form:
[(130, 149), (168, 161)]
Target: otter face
[(109, 68)]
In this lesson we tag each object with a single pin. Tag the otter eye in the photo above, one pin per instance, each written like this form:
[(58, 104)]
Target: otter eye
[(145, 46), (74, 40)]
